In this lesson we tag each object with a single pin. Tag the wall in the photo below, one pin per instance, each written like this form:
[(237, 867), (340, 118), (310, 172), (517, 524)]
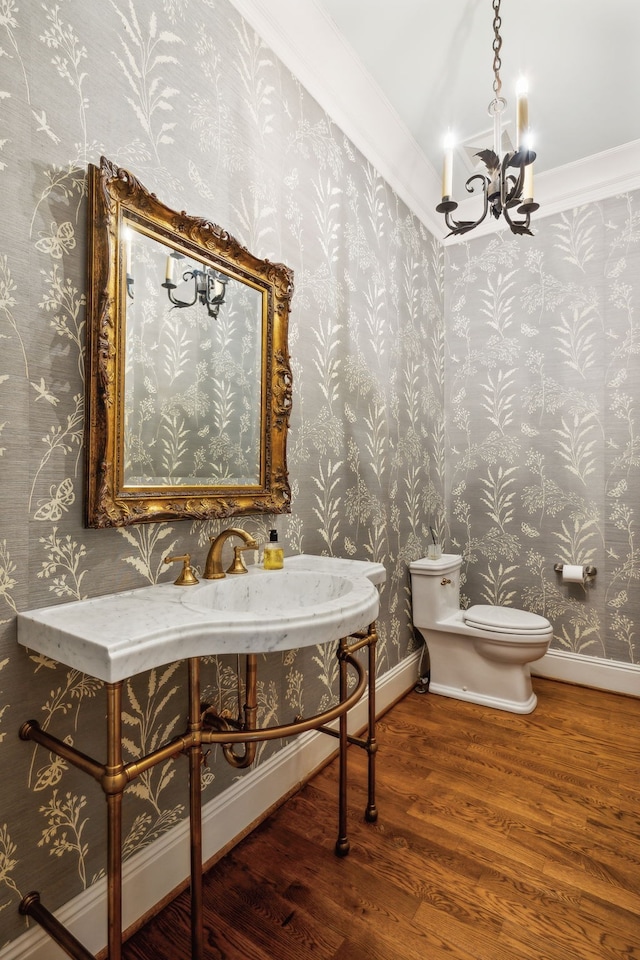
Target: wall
[(187, 98), (542, 416)]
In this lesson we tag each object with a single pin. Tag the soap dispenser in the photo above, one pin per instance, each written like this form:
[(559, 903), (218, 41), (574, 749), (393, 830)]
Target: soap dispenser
[(273, 553)]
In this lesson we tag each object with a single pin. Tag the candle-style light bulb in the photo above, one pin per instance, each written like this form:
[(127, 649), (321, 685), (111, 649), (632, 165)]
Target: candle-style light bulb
[(522, 112), (527, 186), (447, 166)]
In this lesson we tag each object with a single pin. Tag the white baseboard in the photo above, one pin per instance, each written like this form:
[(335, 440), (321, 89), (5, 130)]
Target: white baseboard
[(151, 875), (608, 675)]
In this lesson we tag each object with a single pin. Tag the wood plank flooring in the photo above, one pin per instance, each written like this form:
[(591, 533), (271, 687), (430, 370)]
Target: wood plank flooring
[(499, 837)]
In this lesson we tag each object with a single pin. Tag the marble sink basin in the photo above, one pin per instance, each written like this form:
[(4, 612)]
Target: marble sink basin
[(289, 594), (313, 600)]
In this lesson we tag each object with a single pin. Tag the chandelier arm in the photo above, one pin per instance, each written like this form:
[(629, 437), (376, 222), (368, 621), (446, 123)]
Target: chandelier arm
[(450, 222), (188, 275), (518, 226), (476, 176), (464, 226), (514, 195), (504, 179), (204, 292), (485, 193), (454, 226)]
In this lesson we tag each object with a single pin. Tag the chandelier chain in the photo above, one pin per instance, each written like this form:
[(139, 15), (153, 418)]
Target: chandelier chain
[(497, 45)]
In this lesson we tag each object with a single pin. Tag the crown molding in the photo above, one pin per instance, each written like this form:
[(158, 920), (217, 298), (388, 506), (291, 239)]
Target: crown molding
[(304, 37), (307, 41)]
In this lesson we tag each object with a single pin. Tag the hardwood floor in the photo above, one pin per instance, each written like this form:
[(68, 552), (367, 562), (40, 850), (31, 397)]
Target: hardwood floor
[(500, 837)]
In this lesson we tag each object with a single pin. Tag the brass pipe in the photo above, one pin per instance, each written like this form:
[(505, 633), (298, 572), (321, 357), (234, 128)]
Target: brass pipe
[(342, 843), (169, 751), (292, 729), (250, 715), (364, 641), (371, 813), (30, 906), (195, 810), (114, 774), (251, 734), (31, 730), (356, 741)]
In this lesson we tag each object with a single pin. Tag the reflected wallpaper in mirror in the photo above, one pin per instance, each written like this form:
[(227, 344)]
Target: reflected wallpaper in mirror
[(189, 386), (192, 404)]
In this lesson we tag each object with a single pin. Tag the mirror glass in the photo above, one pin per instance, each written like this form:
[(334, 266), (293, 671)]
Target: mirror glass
[(189, 383), (192, 380)]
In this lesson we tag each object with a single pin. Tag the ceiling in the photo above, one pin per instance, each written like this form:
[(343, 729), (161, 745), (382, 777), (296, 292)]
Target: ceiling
[(397, 74)]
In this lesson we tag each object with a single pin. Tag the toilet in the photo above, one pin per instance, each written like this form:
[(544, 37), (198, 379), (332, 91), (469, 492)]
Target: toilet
[(481, 654)]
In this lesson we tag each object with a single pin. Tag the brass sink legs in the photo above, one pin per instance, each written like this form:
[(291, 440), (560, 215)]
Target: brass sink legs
[(342, 843), (113, 777), (369, 743), (30, 906), (195, 810), (203, 729), (114, 784)]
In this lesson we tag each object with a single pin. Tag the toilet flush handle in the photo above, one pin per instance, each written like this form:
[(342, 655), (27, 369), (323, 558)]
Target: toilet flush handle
[(445, 581)]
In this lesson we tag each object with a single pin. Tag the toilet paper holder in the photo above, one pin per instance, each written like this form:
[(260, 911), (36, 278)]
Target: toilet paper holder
[(589, 571)]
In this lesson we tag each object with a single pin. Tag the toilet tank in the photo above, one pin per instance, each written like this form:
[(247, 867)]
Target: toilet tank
[(431, 599)]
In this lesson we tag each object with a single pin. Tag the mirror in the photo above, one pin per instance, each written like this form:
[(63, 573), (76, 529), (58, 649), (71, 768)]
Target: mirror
[(188, 375)]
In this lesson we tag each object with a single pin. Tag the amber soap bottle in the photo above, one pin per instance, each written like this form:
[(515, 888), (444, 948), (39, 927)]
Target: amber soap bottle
[(273, 553)]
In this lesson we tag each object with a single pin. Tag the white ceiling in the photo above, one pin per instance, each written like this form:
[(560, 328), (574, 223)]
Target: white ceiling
[(396, 74)]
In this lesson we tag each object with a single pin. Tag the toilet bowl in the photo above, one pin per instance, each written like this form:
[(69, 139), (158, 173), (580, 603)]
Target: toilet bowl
[(481, 654)]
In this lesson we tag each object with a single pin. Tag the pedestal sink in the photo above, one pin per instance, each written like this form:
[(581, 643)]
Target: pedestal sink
[(312, 600)]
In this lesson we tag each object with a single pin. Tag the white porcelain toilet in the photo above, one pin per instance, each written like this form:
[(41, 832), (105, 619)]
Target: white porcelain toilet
[(481, 654)]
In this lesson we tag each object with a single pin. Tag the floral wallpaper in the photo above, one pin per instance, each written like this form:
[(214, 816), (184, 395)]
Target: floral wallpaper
[(489, 390), (542, 422), (212, 123)]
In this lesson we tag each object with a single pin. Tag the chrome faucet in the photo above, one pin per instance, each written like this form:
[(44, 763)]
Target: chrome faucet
[(213, 566)]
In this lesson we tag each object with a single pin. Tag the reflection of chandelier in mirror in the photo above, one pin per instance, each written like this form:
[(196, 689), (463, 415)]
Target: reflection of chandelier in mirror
[(209, 286), (502, 191)]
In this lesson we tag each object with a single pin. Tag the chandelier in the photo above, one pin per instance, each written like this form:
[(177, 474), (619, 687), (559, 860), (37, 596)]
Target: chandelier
[(507, 186), (208, 285)]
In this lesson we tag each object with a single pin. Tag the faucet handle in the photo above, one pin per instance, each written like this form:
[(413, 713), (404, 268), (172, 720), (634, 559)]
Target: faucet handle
[(238, 564), (187, 576)]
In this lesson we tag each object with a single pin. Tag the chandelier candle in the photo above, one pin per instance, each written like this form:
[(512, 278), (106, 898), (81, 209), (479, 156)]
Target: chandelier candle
[(447, 167), (522, 114)]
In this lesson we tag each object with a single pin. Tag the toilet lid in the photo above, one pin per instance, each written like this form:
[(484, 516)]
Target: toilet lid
[(506, 620)]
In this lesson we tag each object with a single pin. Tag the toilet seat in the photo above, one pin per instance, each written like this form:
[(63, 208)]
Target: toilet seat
[(507, 620)]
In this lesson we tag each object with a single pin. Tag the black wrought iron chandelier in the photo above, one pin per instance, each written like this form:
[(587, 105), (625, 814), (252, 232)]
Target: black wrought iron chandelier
[(507, 186), (209, 285)]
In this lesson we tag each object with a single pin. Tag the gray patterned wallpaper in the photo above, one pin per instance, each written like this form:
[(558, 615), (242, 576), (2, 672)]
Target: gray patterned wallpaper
[(542, 414), (536, 437), (214, 125)]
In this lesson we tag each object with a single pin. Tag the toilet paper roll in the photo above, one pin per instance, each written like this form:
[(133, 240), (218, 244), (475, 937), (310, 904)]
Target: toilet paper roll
[(572, 573)]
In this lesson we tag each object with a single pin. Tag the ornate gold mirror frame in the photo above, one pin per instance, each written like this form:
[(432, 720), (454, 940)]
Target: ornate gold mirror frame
[(226, 422)]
